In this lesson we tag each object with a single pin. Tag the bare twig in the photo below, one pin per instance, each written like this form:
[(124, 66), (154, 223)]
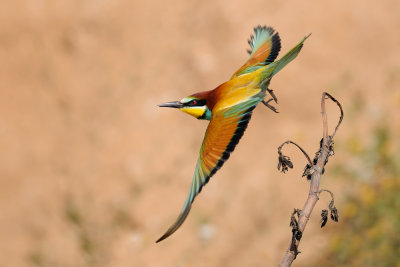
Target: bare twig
[(291, 142), (341, 113), (318, 167), (328, 191)]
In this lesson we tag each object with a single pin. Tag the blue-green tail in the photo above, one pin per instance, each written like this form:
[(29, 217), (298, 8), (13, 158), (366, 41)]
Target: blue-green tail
[(276, 66)]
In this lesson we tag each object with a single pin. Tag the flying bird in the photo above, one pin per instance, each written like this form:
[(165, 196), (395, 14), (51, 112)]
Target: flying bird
[(229, 108)]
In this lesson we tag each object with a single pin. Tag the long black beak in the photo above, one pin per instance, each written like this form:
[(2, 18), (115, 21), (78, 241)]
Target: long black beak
[(173, 104)]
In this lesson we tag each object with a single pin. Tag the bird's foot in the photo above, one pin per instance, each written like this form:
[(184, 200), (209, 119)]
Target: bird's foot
[(271, 92), (269, 106)]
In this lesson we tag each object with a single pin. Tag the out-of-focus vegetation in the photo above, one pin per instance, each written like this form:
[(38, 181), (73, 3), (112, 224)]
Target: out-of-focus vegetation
[(368, 233)]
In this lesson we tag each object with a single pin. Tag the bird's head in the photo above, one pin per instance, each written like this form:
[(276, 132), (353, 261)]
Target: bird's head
[(192, 105)]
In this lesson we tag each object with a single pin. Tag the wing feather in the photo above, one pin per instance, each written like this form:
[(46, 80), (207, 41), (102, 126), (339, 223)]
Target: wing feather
[(265, 46), (222, 135)]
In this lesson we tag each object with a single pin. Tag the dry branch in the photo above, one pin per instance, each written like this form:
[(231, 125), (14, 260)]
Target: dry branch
[(314, 170)]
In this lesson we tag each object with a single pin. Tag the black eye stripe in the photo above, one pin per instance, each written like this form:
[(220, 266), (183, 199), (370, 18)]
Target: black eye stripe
[(196, 103)]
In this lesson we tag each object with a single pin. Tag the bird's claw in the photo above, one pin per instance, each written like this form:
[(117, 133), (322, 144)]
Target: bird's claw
[(269, 106), (271, 92)]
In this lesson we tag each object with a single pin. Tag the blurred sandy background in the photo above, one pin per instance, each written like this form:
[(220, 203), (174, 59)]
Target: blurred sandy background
[(92, 172)]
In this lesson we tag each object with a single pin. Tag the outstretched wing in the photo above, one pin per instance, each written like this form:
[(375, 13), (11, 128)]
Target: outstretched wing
[(222, 135), (265, 46)]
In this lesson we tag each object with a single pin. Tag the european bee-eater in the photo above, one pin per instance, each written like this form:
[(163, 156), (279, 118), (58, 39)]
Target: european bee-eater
[(229, 108)]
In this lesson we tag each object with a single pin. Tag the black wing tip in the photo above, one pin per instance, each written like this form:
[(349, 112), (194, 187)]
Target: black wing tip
[(258, 28), (162, 238), (166, 235), (275, 48), (275, 39), (177, 223)]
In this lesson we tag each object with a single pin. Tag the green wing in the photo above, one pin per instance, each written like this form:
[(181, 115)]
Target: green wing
[(222, 135)]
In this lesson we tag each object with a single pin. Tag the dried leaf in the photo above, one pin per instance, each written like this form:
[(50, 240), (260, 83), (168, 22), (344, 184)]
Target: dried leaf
[(334, 214), (308, 171), (293, 221), (284, 163), (331, 150), (324, 217), (295, 224)]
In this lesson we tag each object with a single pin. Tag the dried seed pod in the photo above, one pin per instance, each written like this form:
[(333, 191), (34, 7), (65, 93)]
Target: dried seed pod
[(324, 217), (284, 163), (334, 214)]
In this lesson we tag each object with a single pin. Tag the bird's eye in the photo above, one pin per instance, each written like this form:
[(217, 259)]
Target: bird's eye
[(193, 102)]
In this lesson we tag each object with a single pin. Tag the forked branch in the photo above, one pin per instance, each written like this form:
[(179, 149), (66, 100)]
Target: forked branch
[(314, 170)]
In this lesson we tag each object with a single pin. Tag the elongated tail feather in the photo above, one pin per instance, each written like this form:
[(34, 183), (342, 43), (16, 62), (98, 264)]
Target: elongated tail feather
[(276, 66)]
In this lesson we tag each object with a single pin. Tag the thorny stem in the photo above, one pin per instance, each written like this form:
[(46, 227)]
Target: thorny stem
[(314, 191)]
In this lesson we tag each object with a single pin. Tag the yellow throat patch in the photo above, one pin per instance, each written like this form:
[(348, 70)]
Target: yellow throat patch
[(196, 111)]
